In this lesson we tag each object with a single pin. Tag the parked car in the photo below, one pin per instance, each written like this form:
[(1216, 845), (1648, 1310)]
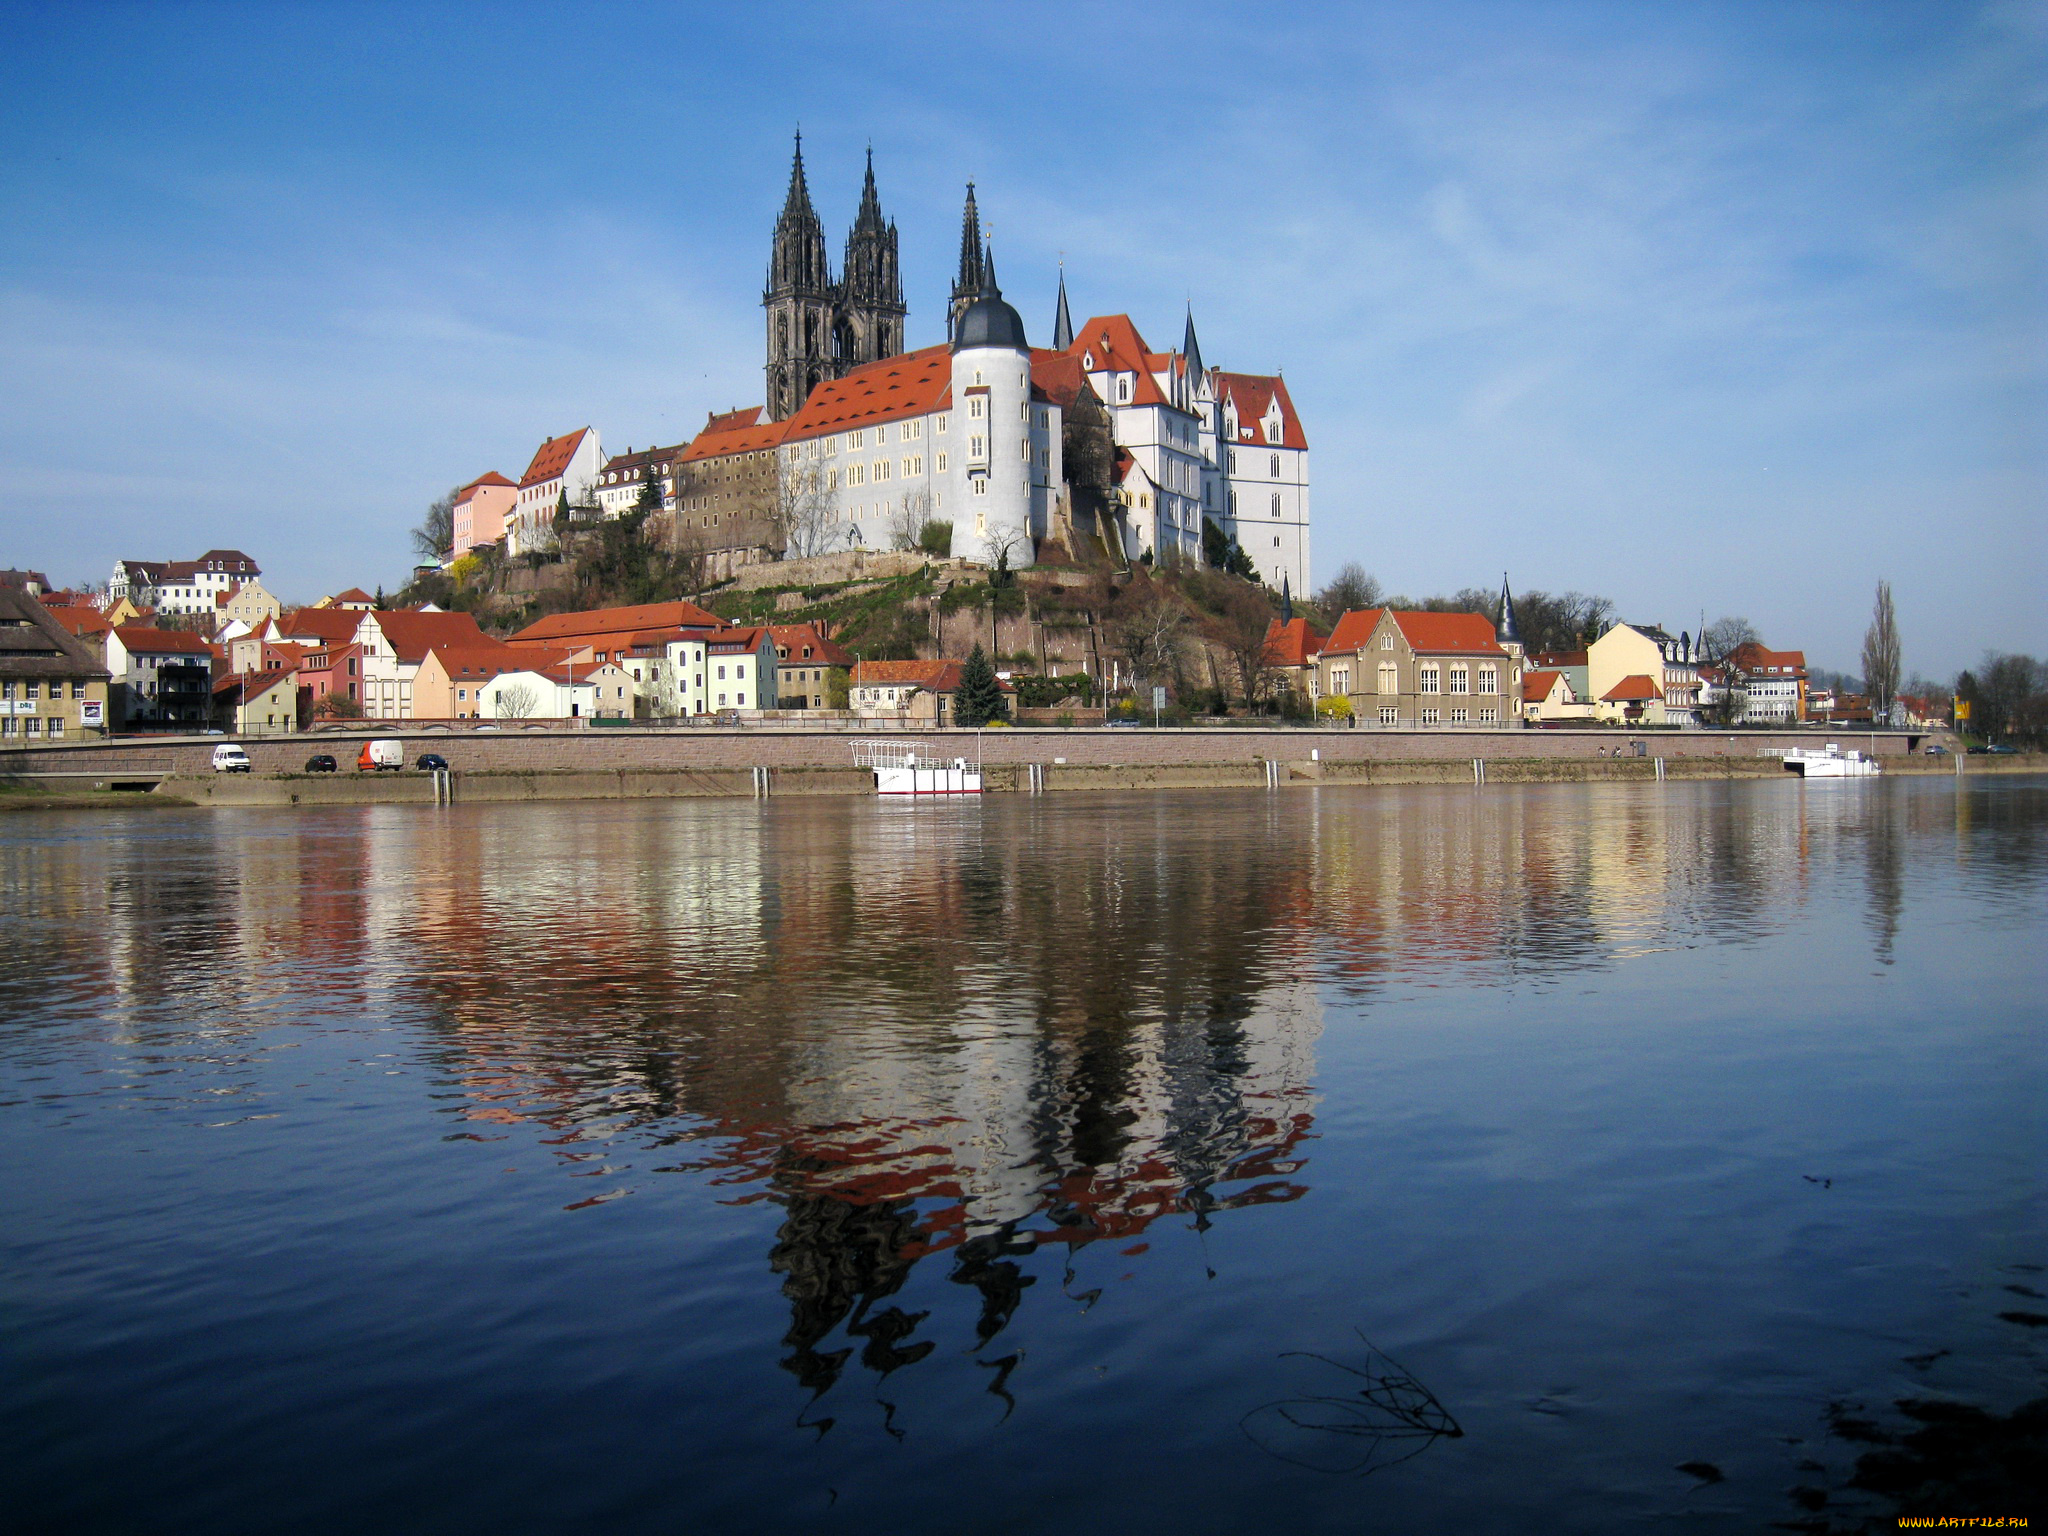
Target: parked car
[(2001, 750), (229, 758), (320, 762), (1935, 749), (1116, 724), (377, 756), (432, 762)]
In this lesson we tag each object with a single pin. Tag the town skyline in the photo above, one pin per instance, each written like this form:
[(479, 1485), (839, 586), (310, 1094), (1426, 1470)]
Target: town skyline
[(1617, 340)]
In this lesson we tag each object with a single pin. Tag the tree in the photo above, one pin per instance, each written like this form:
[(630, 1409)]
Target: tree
[(517, 701), (649, 500), (936, 538), (802, 510), (337, 706), (913, 515), (1724, 637), (434, 539), (979, 699), (1005, 544), (1240, 631), (1881, 655), (1147, 628), (1352, 588)]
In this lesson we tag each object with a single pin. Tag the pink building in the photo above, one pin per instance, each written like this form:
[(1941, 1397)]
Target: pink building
[(481, 508)]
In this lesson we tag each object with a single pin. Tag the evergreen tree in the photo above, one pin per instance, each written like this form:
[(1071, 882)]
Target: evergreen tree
[(980, 697)]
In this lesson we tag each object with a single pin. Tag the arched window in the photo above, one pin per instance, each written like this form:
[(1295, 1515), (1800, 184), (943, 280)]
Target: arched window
[(1275, 466), (1276, 503)]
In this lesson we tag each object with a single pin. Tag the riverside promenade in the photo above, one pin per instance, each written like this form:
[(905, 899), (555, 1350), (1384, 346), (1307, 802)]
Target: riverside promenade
[(637, 763)]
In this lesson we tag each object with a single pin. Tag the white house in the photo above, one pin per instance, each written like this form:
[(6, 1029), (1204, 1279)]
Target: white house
[(557, 693), (568, 465), (183, 586)]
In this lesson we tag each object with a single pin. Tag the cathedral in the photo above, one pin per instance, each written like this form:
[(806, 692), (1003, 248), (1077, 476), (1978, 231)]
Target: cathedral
[(818, 328)]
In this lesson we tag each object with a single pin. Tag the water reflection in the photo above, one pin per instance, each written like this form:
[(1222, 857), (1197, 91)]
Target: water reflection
[(964, 1042)]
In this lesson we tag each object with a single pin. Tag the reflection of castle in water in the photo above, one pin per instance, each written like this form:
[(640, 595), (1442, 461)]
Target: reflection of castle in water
[(934, 1036)]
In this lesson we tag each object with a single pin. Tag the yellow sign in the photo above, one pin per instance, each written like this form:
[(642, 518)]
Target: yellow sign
[(1962, 708)]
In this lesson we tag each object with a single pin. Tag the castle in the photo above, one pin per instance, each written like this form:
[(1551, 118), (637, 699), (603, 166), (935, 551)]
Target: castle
[(1095, 442)]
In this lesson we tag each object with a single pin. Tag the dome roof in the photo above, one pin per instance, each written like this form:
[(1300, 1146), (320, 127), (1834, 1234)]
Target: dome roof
[(990, 322)]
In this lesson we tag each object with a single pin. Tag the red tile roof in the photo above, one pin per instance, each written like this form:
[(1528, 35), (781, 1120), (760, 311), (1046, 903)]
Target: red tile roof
[(80, 621), (935, 676), (593, 623), (1632, 689), (138, 637), (1292, 644), (718, 440), (790, 640), (1252, 393), (1752, 657), (486, 660), (912, 384), (1559, 658), (733, 421), (469, 490), (552, 457), (411, 635), (1536, 686), (1354, 629), (329, 626), (1448, 633), (1113, 345)]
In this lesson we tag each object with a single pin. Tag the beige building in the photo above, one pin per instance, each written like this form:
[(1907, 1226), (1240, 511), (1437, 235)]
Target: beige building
[(1548, 698), (1629, 651), (246, 603), (1408, 669), (52, 687), (257, 703)]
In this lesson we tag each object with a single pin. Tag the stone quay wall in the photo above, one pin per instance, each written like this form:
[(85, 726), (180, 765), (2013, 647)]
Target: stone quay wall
[(1319, 753)]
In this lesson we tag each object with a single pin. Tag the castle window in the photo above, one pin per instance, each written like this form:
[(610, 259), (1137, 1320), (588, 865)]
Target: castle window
[(977, 376), (1275, 465), (975, 448), (914, 465), (941, 428), (881, 469), (1276, 504), (1233, 461), (980, 483), (1088, 361), (977, 407), (1123, 388), (1024, 443), (853, 439), (1273, 430), (1432, 680), (881, 436), (939, 461), (1489, 680), (1461, 680), (912, 430)]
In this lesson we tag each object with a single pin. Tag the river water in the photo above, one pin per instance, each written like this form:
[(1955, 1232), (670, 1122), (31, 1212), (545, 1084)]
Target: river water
[(1559, 1158)]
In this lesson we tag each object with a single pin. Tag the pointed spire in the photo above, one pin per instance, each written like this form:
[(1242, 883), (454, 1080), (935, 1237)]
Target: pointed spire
[(988, 271), (1062, 322), (1286, 593), (969, 282), (1509, 629), (1192, 349), (870, 216), (799, 200)]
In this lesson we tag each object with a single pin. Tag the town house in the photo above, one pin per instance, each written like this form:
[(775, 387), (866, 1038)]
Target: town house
[(1410, 669)]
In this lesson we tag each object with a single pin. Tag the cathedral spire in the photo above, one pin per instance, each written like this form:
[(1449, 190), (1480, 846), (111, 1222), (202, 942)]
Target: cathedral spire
[(870, 216), (967, 287), (1062, 322), (798, 203), (1192, 349)]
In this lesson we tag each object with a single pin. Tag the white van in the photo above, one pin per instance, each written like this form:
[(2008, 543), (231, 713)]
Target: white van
[(229, 758), (379, 755)]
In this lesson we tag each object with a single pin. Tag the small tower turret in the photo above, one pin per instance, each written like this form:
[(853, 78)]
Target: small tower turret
[(1062, 322)]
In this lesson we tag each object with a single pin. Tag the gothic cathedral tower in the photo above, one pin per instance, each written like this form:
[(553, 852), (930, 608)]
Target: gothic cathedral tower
[(800, 300), (818, 328), (872, 307)]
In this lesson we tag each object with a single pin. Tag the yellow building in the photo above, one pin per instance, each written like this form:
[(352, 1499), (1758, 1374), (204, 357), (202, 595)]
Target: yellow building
[(53, 689)]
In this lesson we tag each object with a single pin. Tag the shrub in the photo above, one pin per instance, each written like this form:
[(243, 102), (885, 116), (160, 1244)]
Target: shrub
[(1335, 707)]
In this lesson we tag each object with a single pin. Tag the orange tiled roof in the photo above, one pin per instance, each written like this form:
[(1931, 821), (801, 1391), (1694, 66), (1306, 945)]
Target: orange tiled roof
[(491, 477), (1632, 689), (912, 384), (330, 626), (1536, 686), (138, 637), (1252, 393), (792, 638), (553, 456), (592, 623), (1353, 629), (935, 676), (411, 635), (1292, 644), (1114, 345), (1448, 633)]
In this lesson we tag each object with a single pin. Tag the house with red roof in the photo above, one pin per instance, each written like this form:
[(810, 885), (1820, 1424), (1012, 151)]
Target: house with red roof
[(264, 703), (480, 513), (1548, 698), (181, 586), (161, 677), (1292, 648), (803, 657), (1408, 670), (1769, 686), (906, 690), (626, 475), (563, 469), (394, 644)]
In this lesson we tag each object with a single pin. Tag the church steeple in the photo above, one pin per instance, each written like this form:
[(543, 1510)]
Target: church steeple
[(967, 287), (1510, 631), (873, 287), (801, 300), (1191, 349), (1062, 322)]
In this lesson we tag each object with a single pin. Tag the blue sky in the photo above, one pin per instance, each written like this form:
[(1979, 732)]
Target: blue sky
[(1721, 307)]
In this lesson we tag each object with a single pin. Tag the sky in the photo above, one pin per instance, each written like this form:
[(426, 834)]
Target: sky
[(1707, 308)]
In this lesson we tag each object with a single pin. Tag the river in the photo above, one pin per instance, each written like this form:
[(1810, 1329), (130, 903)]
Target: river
[(1561, 1158)]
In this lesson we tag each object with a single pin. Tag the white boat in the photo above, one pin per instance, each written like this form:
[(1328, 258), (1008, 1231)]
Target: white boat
[(899, 770), (1832, 763)]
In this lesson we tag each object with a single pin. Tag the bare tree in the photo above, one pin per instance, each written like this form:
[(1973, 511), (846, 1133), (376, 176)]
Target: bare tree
[(1353, 587), (1725, 636), (434, 539), (1005, 544), (802, 511), (1148, 629), (909, 522), (1881, 655), (517, 701), (1240, 631)]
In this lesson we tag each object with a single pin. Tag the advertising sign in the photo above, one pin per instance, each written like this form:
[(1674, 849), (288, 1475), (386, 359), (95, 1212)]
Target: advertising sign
[(92, 712)]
